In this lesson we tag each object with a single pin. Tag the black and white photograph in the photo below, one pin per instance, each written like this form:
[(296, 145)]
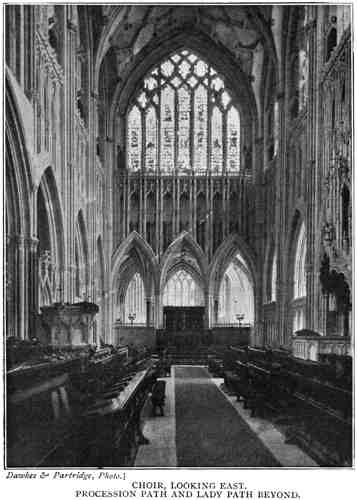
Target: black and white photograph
[(177, 239)]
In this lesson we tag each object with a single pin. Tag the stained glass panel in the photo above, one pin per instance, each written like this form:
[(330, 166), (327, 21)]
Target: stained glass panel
[(167, 68), (167, 129), (151, 140), (135, 311), (200, 129), (150, 83), (200, 68), (236, 296), (216, 138), (173, 101), (134, 139), (176, 82), (182, 290), (217, 84), (142, 100), (192, 81), (184, 69), (183, 161), (233, 130), (225, 99)]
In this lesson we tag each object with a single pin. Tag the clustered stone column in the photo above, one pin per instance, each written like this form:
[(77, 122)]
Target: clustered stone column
[(22, 285)]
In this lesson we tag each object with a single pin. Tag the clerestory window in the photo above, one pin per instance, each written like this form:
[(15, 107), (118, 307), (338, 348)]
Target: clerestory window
[(183, 119)]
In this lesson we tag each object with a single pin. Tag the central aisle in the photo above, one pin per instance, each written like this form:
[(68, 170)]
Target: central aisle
[(209, 432)]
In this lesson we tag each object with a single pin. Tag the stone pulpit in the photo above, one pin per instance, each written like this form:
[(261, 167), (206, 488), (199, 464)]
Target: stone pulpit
[(69, 324)]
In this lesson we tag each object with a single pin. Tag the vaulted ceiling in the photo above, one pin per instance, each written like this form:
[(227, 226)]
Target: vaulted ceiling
[(123, 33)]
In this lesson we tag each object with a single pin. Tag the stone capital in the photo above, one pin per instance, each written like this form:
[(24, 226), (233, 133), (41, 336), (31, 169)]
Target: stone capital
[(32, 243), (19, 240)]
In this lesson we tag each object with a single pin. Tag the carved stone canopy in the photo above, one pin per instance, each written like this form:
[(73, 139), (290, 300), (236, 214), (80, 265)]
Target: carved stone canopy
[(335, 283), (69, 323)]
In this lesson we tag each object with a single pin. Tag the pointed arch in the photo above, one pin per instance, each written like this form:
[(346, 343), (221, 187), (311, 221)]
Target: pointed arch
[(296, 272), (48, 188), (189, 249), (224, 255), (51, 241), (188, 268), (191, 39), (19, 181), (236, 295), (182, 289), (214, 54), (19, 222), (148, 263), (227, 253), (134, 300)]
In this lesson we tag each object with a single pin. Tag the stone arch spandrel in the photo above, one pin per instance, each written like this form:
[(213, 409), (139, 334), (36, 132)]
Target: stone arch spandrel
[(225, 254), (148, 260), (181, 249)]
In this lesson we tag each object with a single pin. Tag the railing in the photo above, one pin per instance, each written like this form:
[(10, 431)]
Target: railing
[(243, 174), (232, 325), (133, 325)]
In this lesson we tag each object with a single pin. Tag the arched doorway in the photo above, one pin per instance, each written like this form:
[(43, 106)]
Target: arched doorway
[(183, 278)]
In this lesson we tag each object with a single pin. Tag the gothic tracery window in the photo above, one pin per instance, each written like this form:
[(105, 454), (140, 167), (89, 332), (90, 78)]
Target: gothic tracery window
[(135, 311), (299, 290), (182, 290), (182, 119), (236, 296), (299, 267)]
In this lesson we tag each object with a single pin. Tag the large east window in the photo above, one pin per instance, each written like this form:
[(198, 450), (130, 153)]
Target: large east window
[(183, 120)]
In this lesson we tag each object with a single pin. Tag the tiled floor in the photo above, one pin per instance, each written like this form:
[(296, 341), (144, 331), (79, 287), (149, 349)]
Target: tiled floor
[(161, 432), (161, 451), (288, 455)]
